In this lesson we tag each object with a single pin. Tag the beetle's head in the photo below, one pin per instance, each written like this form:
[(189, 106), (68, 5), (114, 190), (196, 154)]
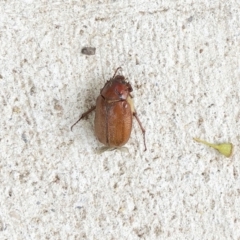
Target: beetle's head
[(116, 89)]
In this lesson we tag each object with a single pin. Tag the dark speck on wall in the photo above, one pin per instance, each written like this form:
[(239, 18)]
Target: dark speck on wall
[(88, 50)]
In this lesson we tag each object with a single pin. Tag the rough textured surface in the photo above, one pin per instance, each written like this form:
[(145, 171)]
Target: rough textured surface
[(182, 59)]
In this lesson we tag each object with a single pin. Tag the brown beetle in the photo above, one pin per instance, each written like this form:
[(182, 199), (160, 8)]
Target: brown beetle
[(114, 113)]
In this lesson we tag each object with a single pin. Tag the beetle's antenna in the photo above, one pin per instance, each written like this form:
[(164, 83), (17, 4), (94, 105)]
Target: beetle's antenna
[(82, 116), (119, 68)]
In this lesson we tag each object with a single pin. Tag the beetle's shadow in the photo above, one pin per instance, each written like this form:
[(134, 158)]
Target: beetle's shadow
[(88, 93), (105, 149)]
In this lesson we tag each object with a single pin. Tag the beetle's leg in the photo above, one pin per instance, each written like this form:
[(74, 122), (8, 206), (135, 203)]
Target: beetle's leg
[(83, 115), (116, 72), (143, 130)]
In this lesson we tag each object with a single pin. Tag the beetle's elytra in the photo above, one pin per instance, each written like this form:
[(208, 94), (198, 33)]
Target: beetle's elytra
[(114, 112)]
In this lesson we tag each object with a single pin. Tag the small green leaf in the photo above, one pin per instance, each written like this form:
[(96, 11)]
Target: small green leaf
[(225, 149)]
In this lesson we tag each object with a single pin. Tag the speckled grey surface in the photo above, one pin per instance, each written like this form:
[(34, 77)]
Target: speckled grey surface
[(182, 59)]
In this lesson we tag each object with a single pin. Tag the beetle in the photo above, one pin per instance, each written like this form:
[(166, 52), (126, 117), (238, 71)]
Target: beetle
[(114, 112)]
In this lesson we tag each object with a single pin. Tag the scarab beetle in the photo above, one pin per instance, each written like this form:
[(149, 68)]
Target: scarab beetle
[(114, 112)]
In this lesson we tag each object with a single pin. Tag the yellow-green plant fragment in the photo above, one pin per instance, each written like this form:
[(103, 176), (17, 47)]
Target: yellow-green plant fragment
[(225, 149)]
